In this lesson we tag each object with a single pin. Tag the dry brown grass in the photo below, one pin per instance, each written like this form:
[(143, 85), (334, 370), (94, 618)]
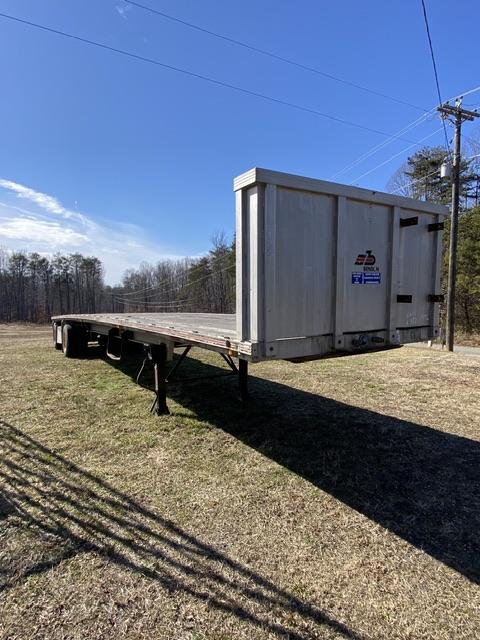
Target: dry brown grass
[(342, 502), (468, 339)]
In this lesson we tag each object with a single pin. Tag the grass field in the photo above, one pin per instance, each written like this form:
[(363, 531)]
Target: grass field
[(343, 501)]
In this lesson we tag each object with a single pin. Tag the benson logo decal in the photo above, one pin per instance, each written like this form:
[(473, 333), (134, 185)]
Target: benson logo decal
[(366, 258), (370, 274)]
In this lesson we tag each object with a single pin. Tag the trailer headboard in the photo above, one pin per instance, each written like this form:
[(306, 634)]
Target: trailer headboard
[(323, 266)]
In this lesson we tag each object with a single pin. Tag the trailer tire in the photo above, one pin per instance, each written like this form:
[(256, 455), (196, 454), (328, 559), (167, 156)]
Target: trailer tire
[(57, 345), (74, 341)]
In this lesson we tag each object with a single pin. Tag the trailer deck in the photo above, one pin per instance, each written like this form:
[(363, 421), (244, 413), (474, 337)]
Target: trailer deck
[(213, 331)]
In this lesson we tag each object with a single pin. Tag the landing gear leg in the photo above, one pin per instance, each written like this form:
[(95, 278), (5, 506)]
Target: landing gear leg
[(159, 359)]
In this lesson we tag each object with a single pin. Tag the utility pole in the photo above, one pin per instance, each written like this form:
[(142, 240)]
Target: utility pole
[(460, 115)]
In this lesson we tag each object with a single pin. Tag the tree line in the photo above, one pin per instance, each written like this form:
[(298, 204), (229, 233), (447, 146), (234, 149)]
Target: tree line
[(35, 287)]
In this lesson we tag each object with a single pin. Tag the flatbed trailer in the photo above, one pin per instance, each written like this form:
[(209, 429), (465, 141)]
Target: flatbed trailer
[(322, 270)]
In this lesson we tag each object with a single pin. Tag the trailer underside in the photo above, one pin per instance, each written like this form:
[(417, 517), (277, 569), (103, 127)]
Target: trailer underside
[(160, 334)]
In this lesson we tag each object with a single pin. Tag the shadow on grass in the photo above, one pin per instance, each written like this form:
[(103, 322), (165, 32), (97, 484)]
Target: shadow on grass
[(420, 483), (74, 511)]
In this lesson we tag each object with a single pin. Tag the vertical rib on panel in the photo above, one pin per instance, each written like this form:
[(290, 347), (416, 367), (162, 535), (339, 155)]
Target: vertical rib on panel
[(242, 269), (256, 263), (270, 230), (340, 273), (393, 280), (437, 270)]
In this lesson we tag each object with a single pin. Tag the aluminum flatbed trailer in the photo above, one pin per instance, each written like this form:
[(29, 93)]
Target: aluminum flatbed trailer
[(322, 269)]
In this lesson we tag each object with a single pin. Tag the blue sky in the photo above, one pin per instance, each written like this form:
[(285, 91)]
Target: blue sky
[(110, 156)]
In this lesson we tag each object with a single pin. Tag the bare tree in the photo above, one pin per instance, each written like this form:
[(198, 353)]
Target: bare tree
[(400, 182)]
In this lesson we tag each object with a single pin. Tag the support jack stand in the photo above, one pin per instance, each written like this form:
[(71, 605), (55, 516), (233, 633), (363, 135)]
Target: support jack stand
[(157, 355)]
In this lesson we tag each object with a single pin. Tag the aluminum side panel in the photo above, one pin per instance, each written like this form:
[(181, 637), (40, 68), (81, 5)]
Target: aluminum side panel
[(301, 287), (367, 256), (417, 253)]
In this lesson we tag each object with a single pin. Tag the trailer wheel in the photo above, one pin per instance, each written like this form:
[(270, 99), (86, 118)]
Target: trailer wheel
[(57, 345), (74, 341)]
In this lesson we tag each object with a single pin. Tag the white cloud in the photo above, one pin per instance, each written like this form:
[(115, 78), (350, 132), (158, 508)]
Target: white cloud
[(44, 201), (47, 226), (31, 230)]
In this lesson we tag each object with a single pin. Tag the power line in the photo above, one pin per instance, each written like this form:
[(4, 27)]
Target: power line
[(270, 54), (147, 290), (233, 87), (163, 304), (160, 284), (414, 123), (425, 17), (385, 143), (199, 76), (189, 284), (471, 140), (135, 303), (395, 155), (381, 145), (410, 184), (139, 303), (466, 93)]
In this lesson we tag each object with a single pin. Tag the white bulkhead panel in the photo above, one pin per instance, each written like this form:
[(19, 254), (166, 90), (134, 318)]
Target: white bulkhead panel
[(324, 267)]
